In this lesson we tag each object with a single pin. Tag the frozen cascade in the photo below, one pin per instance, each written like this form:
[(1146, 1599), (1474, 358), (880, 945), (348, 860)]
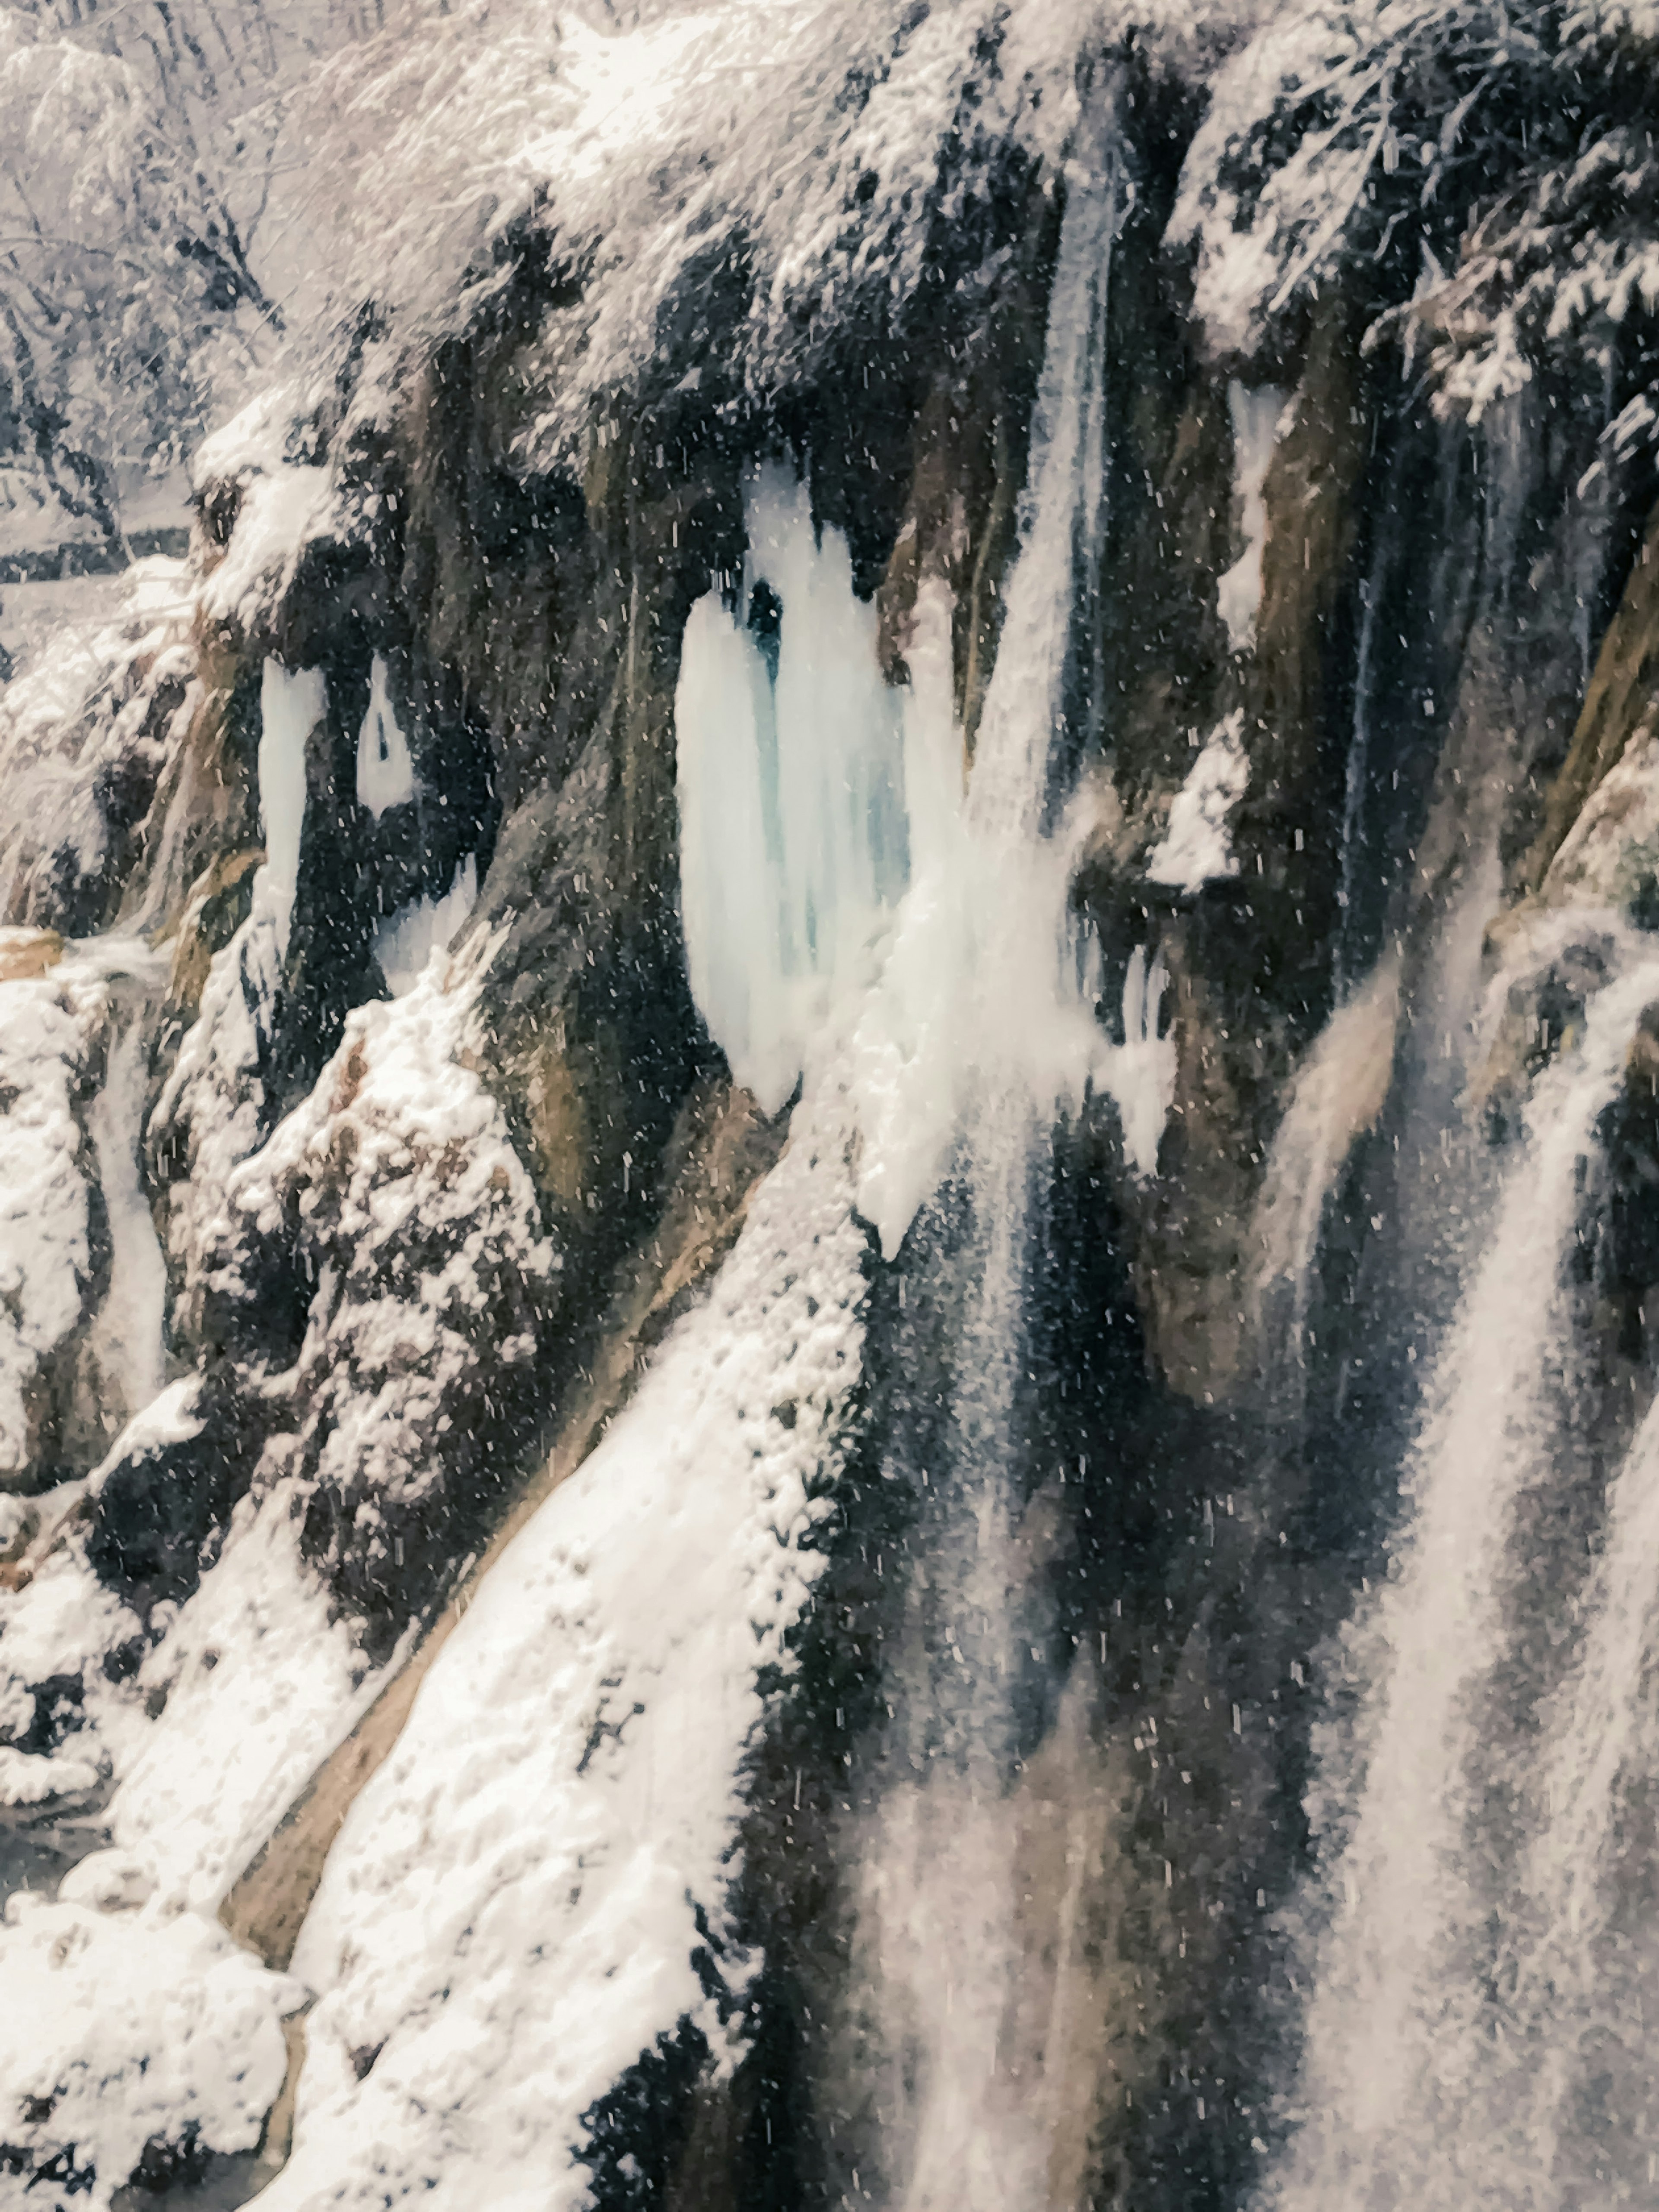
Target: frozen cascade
[(963, 2126), (407, 939), (791, 767), (1141, 1072), (1437, 2071), (291, 705), (385, 772), (832, 873)]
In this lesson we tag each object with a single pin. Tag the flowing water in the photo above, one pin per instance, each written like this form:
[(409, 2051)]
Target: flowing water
[(1478, 1959), (129, 1331), (963, 2122)]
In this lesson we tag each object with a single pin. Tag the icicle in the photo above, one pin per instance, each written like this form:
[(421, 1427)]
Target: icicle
[(291, 705), (385, 772), (406, 940)]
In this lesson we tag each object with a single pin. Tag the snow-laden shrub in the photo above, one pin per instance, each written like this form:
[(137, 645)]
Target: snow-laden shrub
[(138, 148), (1484, 170), (738, 184)]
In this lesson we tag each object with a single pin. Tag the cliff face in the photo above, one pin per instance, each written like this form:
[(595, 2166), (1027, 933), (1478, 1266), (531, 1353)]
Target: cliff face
[(482, 1486)]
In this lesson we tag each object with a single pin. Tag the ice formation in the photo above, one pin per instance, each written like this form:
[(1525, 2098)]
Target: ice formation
[(1140, 1072), (386, 1265), (291, 706), (406, 940), (791, 763), (385, 772)]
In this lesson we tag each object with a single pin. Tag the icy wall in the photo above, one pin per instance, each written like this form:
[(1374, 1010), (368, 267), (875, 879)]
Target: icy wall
[(829, 1121)]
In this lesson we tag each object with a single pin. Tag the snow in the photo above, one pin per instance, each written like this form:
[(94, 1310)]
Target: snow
[(212, 1107), (35, 615), (60, 1618), (1256, 414), (406, 940), (253, 442), (125, 2026), (385, 773), (261, 1680), (1196, 848), (171, 1417), (45, 1254), (281, 511), (422, 1233), (510, 1909), (32, 1777), (729, 134)]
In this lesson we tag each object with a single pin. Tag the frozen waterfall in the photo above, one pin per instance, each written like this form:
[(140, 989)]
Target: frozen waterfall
[(795, 805)]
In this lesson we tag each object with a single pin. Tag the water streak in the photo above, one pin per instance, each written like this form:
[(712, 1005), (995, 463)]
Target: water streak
[(1448, 2041), (963, 2129)]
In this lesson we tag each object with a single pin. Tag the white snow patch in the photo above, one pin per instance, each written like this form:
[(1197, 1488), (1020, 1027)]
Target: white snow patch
[(674, 133), (90, 652), (280, 514), (30, 1777), (510, 1910), (1196, 848), (420, 1220), (253, 442), (385, 771), (122, 2027), (45, 1254), (52, 1627), (1256, 412), (170, 1417), (405, 941), (36, 613), (212, 1105), (262, 1682)]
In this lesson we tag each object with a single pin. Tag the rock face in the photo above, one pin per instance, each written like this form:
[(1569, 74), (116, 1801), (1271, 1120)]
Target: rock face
[(388, 1241)]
